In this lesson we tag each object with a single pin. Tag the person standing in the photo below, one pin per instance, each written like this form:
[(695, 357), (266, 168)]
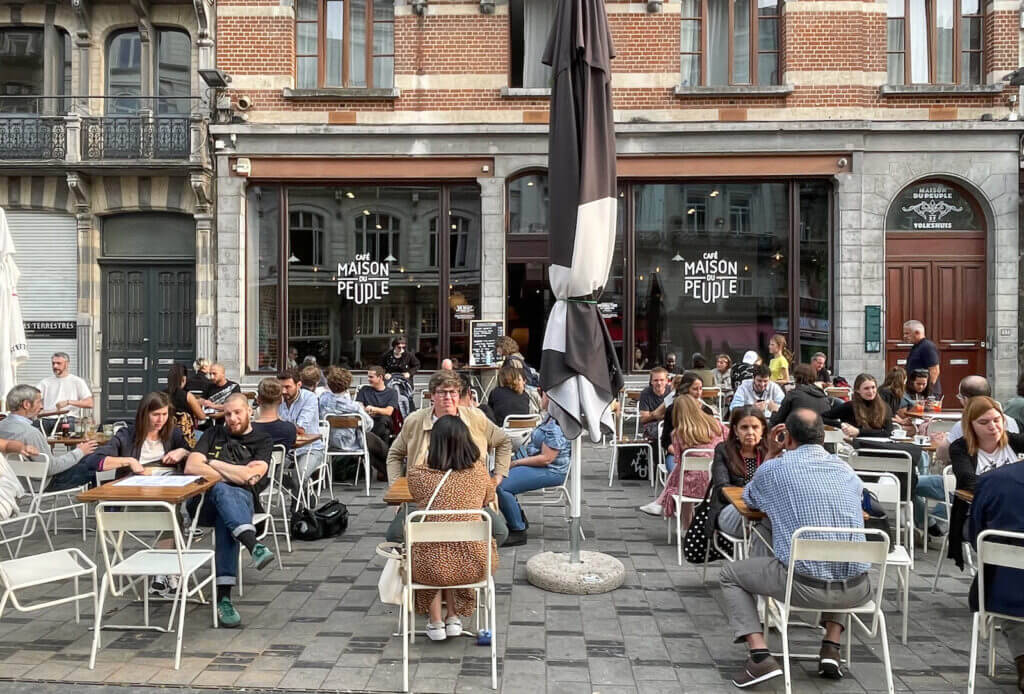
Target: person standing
[(923, 355), (64, 390), (781, 359)]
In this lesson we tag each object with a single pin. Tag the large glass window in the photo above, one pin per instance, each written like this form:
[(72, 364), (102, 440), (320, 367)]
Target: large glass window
[(171, 69), (815, 317), (331, 46), (24, 60), (934, 42), (362, 266), (528, 204), (529, 25), (741, 42)]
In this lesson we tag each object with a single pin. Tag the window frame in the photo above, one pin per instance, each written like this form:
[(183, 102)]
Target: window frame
[(153, 100), (346, 44), (754, 51), (932, 33)]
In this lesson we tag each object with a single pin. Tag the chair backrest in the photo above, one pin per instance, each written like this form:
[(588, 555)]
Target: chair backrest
[(833, 435), (871, 460), (33, 473), (941, 426), (696, 459), (521, 421), (995, 553), (839, 392), (325, 432), (804, 548), (277, 459), (136, 517), (345, 421), (948, 482), (886, 488), (711, 393), (633, 396), (417, 531)]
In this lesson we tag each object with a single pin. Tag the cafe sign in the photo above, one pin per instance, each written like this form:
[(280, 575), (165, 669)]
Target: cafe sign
[(931, 204), (363, 280), (710, 279)]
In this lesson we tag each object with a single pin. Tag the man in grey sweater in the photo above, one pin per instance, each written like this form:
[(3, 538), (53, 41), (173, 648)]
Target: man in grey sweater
[(66, 471)]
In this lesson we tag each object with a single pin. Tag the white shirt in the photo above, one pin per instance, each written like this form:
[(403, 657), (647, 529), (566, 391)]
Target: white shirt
[(152, 451), (998, 458), (70, 387), (957, 432)]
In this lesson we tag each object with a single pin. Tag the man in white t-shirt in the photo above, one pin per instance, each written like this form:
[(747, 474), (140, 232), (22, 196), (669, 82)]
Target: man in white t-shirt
[(64, 390)]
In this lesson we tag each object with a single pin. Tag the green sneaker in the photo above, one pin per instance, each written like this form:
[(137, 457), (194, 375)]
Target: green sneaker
[(227, 615), (261, 556)]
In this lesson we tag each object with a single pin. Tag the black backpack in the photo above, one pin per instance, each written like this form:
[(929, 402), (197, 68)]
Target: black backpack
[(330, 519)]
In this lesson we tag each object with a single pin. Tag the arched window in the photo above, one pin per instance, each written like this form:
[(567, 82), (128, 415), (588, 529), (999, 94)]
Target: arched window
[(528, 204), (934, 206), (458, 241), (306, 237), (171, 68), (377, 234)]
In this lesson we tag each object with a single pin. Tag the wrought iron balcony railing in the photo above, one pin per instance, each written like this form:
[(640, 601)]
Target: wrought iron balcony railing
[(139, 137), (33, 137)]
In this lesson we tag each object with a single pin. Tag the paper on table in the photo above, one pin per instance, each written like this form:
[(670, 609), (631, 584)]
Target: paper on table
[(157, 480), (874, 439)]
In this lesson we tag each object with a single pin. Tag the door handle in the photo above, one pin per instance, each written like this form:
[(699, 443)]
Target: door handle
[(901, 345), (963, 344), (145, 364)]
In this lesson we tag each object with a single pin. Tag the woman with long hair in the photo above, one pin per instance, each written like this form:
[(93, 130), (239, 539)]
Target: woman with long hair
[(722, 376), (894, 387), (736, 460), (781, 358), (152, 441), (451, 475), (985, 446), (692, 427), (188, 413), (510, 396), (865, 414)]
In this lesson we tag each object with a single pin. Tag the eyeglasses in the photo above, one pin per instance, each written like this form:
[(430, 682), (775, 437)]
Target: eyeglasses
[(453, 394)]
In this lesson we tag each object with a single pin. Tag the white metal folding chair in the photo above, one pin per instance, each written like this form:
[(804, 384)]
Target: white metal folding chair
[(35, 475), (630, 408), (10, 533), (691, 460), (312, 485), (551, 496), (886, 488), (355, 422), (993, 550), (900, 464), (263, 521), (276, 500), (834, 435), (714, 394), (948, 488), (158, 517), (807, 548), (26, 573), (454, 531), (662, 468), (841, 392), (518, 427)]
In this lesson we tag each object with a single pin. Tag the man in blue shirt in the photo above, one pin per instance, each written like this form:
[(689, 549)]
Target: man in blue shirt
[(301, 409), (923, 355), (759, 391), (805, 486)]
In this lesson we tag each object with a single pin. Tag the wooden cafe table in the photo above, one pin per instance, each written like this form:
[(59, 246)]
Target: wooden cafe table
[(398, 493)]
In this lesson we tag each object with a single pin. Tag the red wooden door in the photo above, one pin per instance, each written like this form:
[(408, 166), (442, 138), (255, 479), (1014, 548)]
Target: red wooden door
[(940, 280)]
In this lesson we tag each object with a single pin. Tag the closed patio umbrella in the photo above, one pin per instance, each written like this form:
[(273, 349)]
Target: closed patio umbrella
[(13, 348), (579, 369)]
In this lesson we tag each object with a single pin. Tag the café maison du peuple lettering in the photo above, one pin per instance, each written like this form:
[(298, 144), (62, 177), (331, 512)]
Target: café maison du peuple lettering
[(363, 280)]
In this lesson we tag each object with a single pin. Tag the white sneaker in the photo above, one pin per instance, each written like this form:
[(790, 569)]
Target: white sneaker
[(453, 626), (652, 509), (436, 631)]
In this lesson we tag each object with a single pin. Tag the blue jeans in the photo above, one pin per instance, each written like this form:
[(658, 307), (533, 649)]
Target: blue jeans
[(82, 472), (523, 479), (670, 461), (228, 509), (928, 486)]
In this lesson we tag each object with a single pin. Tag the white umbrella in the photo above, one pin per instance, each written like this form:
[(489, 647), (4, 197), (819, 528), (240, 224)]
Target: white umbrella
[(13, 347)]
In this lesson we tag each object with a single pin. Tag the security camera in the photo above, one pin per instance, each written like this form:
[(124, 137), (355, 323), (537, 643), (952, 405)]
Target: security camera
[(244, 103)]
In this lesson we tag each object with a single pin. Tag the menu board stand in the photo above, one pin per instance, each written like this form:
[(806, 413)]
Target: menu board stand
[(483, 342)]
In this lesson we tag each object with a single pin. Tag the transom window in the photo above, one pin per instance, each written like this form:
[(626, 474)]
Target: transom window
[(729, 42), (344, 43), (926, 44), (458, 241)]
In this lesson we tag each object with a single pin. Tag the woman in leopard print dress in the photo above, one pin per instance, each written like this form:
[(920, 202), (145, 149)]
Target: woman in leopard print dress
[(468, 486)]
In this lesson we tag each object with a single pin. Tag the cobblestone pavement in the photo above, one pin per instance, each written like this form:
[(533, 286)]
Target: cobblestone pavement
[(318, 624)]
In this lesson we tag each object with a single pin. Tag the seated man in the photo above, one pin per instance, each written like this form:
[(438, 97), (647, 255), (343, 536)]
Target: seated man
[(379, 401), (759, 391), (805, 486), (997, 506), (268, 398), (300, 408), (66, 471), (410, 446), (652, 402), (238, 457), (822, 374)]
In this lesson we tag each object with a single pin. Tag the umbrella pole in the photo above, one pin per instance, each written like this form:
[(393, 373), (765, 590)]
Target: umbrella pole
[(575, 493)]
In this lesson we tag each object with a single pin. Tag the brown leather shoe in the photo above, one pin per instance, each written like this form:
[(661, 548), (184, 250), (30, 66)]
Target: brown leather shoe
[(1020, 672)]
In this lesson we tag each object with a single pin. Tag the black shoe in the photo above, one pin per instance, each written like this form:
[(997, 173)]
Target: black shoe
[(935, 531), (516, 538), (829, 661), (526, 521)]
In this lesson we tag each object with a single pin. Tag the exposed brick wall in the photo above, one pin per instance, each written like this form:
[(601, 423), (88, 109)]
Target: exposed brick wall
[(835, 57)]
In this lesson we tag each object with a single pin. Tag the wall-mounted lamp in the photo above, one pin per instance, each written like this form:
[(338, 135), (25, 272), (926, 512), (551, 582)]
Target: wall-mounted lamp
[(654, 6), (486, 6), (419, 7)]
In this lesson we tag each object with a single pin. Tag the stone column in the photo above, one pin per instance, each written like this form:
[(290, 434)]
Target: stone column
[(492, 218), (88, 358), (229, 279)]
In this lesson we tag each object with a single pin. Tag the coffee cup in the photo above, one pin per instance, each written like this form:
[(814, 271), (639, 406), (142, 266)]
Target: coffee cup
[(899, 434), (921, 440)]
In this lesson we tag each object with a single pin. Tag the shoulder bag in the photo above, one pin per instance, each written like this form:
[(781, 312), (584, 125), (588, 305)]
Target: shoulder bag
[(698, 535)]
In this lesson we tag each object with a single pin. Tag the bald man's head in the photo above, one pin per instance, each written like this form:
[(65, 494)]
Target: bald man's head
[(973, 386), (805, 427)]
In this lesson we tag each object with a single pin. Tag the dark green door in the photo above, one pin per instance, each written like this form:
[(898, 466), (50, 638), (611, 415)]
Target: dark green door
[(148, 324)]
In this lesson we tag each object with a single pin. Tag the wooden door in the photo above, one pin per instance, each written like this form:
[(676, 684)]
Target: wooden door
[(148, 324), (939, 279)]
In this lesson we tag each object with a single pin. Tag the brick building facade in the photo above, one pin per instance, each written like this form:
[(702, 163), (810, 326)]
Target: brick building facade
[(834, 155)]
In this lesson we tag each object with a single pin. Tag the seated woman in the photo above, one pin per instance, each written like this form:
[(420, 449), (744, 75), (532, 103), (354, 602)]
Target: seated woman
[(893, 388), (542, 462), (152, 441), (691, 384), (806, 395), (338, 402), (916, 392), (188, 413), (736, 460), (268, 400), (865, 414), (450, 480), (510, 396), (692, 427), (985, 446), (722, 377)]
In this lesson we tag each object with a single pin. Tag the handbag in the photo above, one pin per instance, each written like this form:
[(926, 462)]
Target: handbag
[(332, 517), (305, 525), (698, 535)]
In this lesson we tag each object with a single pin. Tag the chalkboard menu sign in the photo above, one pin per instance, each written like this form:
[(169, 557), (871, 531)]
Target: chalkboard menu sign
[(483, 339)]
